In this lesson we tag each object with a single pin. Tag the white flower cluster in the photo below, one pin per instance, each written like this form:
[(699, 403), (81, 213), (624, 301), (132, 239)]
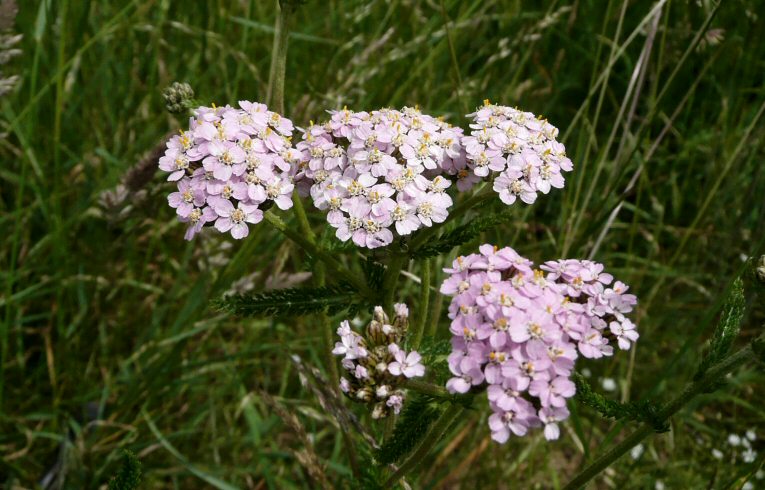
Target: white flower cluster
[(380, 170), (521, 147), (376, 365), (229, 165)]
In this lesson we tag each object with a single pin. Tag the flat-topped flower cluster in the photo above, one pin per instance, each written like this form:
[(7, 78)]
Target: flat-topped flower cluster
[(380, 171), (521, 147), (376, 365), (230, 165), (520, 330), (377, 174)]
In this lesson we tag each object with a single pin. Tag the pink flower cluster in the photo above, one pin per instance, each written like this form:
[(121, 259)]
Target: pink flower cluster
[(230, 165), (373, 172), (520, 329), (376, 364), (518, 145)]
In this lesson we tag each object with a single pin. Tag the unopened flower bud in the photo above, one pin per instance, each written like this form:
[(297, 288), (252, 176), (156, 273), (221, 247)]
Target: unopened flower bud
[(364, 394), (382, 391), (379, 315), (178, 97), (379, 411), (375, 332)]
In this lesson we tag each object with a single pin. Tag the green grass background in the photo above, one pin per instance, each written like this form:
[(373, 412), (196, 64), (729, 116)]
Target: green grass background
[(108, 337)]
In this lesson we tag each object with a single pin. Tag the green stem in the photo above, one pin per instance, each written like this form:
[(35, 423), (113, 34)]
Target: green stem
[(693, 389), (435, 314), (276, 74), (455, 213), (332, 264), (390, 279), (423, 307), (437, 430), (427, 388), (302, 218)]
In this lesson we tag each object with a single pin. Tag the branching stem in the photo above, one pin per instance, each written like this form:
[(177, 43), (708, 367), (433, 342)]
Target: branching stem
[(693, 389)]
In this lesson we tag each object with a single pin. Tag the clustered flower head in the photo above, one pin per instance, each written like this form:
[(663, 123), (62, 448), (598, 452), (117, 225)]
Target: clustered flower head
[(520, 329), (520, 147), (379, 171), (375, 363), (231, 165)]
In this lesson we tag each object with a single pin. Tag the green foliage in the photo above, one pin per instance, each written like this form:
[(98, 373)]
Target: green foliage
[(419, 412), (461, 234), (374, 273), (290, 302), (434, 355), (129, 475), (643, 411), (727, 328)]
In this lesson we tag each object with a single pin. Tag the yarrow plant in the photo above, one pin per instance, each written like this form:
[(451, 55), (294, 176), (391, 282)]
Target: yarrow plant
[(394, 178), (520, 330), (376, 363)]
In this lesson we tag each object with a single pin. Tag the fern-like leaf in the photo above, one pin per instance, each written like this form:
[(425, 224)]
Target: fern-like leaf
[(129, 475), (291, 301), (727, 328), (419, 413), (461, 234), (643, 411)]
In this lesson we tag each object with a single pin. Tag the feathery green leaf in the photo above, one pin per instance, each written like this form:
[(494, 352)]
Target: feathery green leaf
[(291, 301)]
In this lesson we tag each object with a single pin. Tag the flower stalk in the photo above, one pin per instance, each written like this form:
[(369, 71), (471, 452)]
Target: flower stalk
[(702, 385), (332, 263), (437, 431), (419, 326)]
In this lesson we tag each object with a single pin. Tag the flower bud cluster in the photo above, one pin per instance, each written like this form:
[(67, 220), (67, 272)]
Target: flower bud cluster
[(379, 171), (518, 145), (375, 363), (231, 165), (520, 329)]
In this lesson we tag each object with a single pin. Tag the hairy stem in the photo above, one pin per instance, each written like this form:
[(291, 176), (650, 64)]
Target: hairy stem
[(425, 235), (693, 389), (422, 317), (332, 263), (390, 279), (436, 432), (427, 388), (276, 74)]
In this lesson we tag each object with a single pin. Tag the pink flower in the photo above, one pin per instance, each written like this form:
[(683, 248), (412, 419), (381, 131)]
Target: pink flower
[(408, 365), (236, 219), (241, 156), (521, 330)]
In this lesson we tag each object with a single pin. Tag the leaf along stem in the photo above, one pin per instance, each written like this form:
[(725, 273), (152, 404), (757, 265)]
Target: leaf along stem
[(692, 389), (436, 432)]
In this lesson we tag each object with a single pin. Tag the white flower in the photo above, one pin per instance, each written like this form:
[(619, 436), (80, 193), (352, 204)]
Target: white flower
[(637, 451), (751, 435), (717, 454), (659, 485), (734, 440), (608, 384), (749, 455)]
